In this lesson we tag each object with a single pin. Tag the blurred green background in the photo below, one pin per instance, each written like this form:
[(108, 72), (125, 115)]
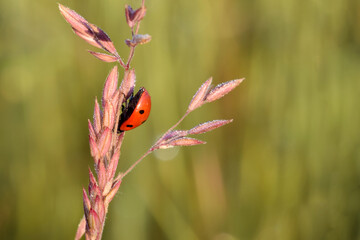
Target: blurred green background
[(288, 167)]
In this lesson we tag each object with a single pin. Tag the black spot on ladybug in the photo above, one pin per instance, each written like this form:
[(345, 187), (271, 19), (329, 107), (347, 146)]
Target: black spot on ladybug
[(141, 111), (130, 126)]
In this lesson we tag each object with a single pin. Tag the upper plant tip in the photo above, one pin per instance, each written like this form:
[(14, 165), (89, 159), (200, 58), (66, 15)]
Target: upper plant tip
[(61, 7)]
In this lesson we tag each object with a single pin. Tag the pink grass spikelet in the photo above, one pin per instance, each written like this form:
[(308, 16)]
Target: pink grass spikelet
[(86, 201), (95, 153), (183, 141), (87, 31), (111, 170), (109, 116), (101, 172), (110, 85), (99, 207), (198, 98), (128, 83), (103, 56), (209, 126), (94, 221), (175, 134), (81, 228), (97, 117), (107, 188), (79, 25), (92, 184), (112, 192), (92, 133), (103, 39), (222, 89), (133, 17), (119, 141), (104, 142), (115, 99)]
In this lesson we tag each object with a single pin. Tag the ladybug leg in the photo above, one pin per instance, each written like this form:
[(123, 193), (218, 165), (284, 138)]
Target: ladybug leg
[(131, 97), (125, 105), (125, 102)]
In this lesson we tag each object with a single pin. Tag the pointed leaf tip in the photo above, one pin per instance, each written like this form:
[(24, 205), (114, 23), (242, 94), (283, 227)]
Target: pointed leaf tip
[(222, 89), (81, 229)]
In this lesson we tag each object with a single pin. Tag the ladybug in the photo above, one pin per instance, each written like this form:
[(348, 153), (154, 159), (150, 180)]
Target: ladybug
[(136, 112)]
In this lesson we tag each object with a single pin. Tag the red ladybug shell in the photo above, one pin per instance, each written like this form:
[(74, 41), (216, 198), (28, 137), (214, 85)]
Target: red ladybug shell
[(136, 112)]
